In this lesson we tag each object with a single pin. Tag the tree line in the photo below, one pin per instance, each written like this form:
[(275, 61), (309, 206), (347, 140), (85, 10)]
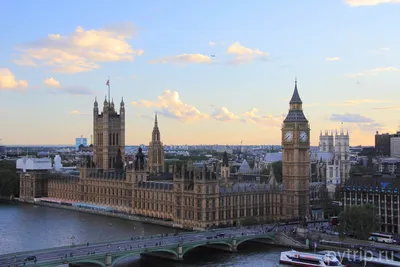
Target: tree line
[(9, 180)]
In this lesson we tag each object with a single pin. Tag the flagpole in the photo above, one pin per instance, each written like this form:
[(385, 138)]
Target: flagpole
[(109, 97)]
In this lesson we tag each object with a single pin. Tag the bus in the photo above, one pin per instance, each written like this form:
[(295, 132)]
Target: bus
[(384, 238)]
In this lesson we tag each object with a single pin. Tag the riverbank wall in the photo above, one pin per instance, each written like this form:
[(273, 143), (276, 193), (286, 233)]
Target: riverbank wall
[(109, 214)]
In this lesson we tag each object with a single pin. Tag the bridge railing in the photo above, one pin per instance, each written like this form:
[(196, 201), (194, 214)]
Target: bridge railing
[(115, 241)]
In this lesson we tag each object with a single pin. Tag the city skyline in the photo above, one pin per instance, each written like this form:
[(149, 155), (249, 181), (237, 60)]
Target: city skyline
[(216, 73)]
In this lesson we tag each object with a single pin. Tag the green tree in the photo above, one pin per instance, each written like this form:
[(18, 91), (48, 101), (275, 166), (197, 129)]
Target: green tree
[(9, 180), (277, 167), (359, 221)]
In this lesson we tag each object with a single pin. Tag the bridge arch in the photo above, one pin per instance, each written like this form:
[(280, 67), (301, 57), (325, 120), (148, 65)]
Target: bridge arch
[(99, 263), (255, 238), (187, 249), (137, 253)]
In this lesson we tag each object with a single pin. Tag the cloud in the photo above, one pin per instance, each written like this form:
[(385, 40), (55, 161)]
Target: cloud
[(72, 90), (370, 127), (387, 108), (80, 51), (351, 118), (381, 51), (332, 58), (211, 43), (359, 102), (252, 116), (183, 59), (144, 116), (8, 81), (77, 112), (223, 114), (51, 82), (362, 122), (244, 54), (172, 107), (357, 3), (374, 72)]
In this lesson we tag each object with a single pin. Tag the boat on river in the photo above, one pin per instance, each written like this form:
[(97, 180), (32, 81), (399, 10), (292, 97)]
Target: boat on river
[(297, 258)]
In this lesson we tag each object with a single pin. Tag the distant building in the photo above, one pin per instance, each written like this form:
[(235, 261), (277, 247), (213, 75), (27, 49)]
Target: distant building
[(378, 190), (395, 145), (80, 141), (3, 150), (383, 143)]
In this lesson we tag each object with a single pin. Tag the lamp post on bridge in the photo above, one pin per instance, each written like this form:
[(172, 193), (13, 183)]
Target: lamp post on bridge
[(72, 241)]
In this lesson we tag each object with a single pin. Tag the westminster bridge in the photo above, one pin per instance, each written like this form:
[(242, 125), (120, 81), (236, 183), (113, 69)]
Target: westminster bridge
[(169, 246)]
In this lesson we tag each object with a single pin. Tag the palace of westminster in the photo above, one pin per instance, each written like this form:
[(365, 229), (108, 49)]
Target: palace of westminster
[(193, 196)]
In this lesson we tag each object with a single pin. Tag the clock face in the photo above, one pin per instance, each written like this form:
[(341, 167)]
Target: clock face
[(303, 136), (289, 136)]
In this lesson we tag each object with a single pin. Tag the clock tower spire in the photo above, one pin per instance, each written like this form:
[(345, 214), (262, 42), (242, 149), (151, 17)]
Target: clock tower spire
[(296, 159)]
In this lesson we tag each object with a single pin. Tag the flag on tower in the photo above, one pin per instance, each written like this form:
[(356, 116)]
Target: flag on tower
[(108, 83)]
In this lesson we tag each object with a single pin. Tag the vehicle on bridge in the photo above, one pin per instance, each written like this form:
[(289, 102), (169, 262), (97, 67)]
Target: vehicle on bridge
[(383, 238), (297, 258)]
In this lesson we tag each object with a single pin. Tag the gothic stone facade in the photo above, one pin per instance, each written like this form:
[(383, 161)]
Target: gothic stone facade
[(196, 197)]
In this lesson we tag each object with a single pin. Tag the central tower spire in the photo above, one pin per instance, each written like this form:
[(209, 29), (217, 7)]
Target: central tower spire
[(296, 107)]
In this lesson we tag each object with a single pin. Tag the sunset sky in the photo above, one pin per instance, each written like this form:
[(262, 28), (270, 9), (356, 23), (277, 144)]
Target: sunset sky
[(217, 72)]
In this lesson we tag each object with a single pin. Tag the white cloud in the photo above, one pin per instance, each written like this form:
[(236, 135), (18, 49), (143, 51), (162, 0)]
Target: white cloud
[(333, 58), (387, 108), (357, 3), (56, 87), (80, 51), (183, 59), (223, 114), (374, 72), (244, 54), (252, 116), (77, 112), (211, 43), (51, 82), (172, 106), (8, 81)]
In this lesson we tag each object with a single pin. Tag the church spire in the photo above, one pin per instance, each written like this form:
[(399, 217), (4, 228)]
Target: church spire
[(295, 97), (155, 121)]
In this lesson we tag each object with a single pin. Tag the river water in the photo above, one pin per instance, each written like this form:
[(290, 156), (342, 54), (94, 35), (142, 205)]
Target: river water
[(29, 227)]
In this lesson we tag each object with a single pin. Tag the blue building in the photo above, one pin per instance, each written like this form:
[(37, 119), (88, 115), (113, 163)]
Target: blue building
[(80, 141)]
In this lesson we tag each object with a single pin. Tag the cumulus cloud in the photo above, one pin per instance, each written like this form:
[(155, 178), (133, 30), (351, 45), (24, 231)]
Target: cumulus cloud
[(211, 43), (252, 116), (370, 127), (244, 54), (51, 82), (332, 58), (8, 81), (171, 106), (223, 114), (77, 112), (144, 116), (183, 59), (374, 72), (80, 51), (72, 90), (359, 102), (380, 51), (357, 3)]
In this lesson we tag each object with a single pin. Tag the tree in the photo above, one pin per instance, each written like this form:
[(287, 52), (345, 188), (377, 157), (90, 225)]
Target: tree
[(359, 221), (9, 180), (277, 167)]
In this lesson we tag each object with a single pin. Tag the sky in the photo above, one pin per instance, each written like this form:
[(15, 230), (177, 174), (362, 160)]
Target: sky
[(216, 72)]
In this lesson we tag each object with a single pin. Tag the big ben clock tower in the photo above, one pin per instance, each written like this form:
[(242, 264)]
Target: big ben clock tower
[(296, 160)]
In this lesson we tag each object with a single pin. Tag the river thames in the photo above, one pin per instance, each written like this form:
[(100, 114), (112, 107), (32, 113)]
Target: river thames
[(29, 227)]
